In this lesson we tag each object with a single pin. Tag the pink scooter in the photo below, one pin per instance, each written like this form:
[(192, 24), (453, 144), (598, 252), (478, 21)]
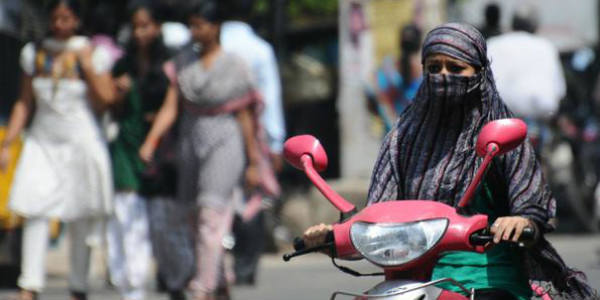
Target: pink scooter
[(407, 237)]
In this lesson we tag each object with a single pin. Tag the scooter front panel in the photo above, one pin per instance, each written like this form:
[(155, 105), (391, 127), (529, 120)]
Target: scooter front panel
[(456, 237), (402, 290), (393, 287)]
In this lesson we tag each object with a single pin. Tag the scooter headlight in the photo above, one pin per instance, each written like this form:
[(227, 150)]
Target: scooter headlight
[(396, 244)]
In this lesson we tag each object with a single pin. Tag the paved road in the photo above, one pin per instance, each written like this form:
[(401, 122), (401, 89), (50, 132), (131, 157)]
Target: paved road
[(313, 276)]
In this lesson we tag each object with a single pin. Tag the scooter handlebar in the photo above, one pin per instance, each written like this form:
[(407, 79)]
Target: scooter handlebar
[(301, 249), (299, 243), (482, 238), (528, 234)]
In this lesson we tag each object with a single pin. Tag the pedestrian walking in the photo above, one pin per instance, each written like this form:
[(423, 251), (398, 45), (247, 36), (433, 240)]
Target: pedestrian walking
[(491, 26), (64, 169), (397, 81), (219, 146), (239, 38), (529, 74), (141, 86)]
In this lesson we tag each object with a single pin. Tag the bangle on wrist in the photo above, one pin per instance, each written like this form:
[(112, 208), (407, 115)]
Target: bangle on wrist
[(154, 142)]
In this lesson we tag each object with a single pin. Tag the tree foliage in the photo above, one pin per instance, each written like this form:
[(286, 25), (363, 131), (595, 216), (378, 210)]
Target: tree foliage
[(303, 8)]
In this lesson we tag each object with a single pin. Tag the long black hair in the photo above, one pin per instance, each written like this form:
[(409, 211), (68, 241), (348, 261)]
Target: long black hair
[(211, 11), (101, 19), (410, 43), (157, 51), (153, 81), (73, 5), (50, 6)]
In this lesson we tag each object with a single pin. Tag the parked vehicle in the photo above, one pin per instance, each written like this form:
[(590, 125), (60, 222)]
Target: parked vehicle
[(406, 238)]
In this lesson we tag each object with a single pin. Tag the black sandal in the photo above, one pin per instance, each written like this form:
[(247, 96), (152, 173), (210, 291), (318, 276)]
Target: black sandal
[(78, 295), (177, 295)]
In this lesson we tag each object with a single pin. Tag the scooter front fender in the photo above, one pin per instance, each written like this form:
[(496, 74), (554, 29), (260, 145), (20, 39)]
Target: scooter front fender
[(402, 290)]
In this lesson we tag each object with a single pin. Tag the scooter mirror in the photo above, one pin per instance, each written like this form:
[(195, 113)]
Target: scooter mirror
[(503, 135), (507, 134), (297, 146)]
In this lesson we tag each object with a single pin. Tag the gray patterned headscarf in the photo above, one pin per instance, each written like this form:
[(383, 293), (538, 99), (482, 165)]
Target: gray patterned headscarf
[(431, 152), (458, 41)]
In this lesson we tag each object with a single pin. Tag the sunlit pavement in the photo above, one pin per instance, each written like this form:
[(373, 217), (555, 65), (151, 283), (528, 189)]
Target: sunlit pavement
[(312, 276)]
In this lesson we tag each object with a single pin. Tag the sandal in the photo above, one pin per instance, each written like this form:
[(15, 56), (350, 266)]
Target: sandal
[(24, 295), (204, 296), (222, 293), (78, 295), (177, 295)]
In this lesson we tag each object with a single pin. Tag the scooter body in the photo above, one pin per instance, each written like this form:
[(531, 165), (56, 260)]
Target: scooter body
[(412, 236), (406, 238)]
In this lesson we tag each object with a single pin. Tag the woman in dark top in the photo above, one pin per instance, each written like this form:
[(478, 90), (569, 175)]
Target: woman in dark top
[(166, 227), (430, 155)]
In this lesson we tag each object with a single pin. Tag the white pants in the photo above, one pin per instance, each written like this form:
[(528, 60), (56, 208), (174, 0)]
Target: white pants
[(213, 225), (129, 248), (35, 245)]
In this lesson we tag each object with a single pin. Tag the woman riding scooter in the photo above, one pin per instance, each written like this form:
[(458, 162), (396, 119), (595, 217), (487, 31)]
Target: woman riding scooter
[(430, 154)]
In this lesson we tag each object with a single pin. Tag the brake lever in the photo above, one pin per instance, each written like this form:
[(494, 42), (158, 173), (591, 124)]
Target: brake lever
[(288, 256)]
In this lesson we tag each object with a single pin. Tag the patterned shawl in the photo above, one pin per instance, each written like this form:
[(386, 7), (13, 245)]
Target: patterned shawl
[(430, 154)]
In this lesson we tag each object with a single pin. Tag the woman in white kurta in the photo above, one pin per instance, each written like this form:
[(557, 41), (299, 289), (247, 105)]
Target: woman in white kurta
[(64, 169)]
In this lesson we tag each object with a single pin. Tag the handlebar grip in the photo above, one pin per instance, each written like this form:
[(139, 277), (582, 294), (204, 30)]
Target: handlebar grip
[(527, 235), (299, 243), (301, 249), (481, 238)]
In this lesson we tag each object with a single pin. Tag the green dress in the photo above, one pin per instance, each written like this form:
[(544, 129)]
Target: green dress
[(500, 267), (126, 162)]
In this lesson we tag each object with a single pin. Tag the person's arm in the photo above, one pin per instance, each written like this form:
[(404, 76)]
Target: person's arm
[(245, 119), (560, 84), (272, 116), (385, 108), (315, 235), (18, 118), (165, 118), (510, 228), (530, 201), (101, 85), (384, 105)]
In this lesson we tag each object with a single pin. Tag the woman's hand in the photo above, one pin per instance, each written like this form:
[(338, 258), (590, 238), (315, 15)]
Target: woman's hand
[(315, 235), (505, 227), (4, 157), (147, 152), (252, 177), (123, 84), (277, 162)]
